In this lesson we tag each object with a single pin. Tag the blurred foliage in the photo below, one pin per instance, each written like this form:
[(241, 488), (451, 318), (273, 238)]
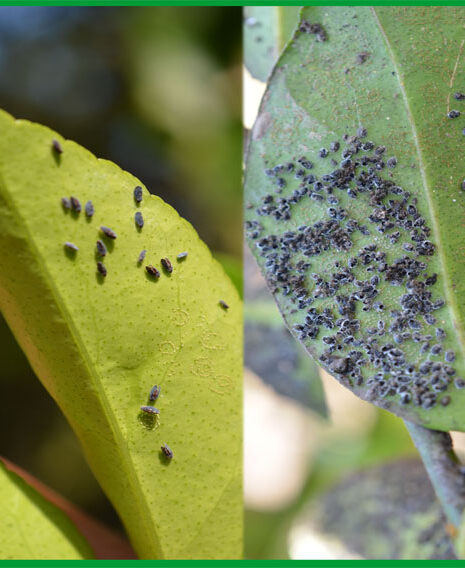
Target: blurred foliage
[(266, 31), (389, 512), (273, 354), (156, 90), (233, 268), (340, 454)]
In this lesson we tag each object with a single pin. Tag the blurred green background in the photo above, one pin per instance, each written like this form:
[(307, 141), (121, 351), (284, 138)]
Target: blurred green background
[(158, 91)]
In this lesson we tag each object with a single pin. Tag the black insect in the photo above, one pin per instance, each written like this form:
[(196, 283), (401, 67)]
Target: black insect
[(453, 114), (165, 262), (57, 146), (152, 271), (182, 255), (89, 209), (154, 392), (436, 349), (339, 365), (391, 162), (334, 146), (223, 304), (138, 194), (167, 451), (323, 152), (71, 246), (362, 132), (139, 220), (149, 409), (142, 256), (459, 96), (449, 356), (361, 58), (463, 185), (108, 232), (101, 248), (305, 163), (101, 268), (66, 203), (445, 400), (75, 204)]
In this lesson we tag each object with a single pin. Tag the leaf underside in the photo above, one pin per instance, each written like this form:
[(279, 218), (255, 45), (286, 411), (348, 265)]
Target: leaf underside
[(32, 528), (392, 71), (99, 344)]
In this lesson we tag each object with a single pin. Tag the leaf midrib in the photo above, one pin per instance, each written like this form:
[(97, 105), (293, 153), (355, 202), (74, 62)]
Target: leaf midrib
[(120, 442), (450, 297)]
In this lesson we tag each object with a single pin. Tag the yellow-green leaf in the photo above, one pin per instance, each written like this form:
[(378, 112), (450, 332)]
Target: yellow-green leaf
[(99, 344), (31, 528)]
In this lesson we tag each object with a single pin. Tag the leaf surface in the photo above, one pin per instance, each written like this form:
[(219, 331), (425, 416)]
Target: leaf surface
[(31, 528), (392, 71), (100, 344), (266, 31)]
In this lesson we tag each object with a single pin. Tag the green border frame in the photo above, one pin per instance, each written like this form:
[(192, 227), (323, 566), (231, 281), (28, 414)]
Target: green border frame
[(226, 3), (227, 563), (231, 563)]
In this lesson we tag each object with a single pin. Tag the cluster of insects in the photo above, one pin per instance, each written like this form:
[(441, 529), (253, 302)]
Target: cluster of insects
[(74, 205), (400, 353), (315, 29), (456, 114), (150, 409)]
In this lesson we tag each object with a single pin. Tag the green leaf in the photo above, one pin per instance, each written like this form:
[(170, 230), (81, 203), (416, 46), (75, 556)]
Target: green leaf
[(100, 344), (393, 71), (32, 528), (374, 514), (266, 31)]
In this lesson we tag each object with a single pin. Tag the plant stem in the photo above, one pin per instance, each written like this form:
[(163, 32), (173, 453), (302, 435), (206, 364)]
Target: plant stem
[(443, 467)]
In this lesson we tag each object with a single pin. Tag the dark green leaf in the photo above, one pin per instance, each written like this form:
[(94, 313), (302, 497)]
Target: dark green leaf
[(393, 71)]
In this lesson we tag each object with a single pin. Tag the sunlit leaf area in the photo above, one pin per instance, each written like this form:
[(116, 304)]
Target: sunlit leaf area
[(157, 91)]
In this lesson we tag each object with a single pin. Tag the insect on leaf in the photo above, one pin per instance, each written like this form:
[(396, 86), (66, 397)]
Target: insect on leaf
[(355, 172), (100, 342), (32, 528)]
